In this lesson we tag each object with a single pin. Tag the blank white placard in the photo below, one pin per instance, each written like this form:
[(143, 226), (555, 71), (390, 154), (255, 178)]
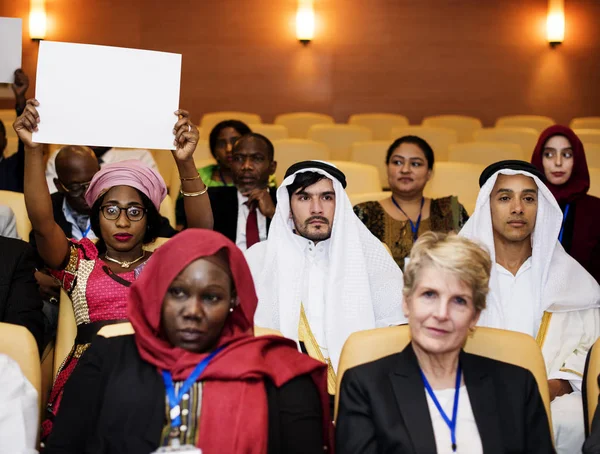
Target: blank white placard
[(106, 96), (10, 48)]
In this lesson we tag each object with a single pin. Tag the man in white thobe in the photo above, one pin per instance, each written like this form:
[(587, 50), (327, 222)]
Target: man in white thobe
[(321, 275), (536, 287)]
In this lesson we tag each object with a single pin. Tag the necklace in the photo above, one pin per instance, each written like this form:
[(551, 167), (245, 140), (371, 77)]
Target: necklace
[(125, 264), (414, 227)]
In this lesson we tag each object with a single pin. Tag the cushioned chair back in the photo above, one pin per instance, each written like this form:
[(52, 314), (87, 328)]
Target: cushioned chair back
[(506, 346), (485, 153), (360, 178), (210, 120), (339, 138), (592, 154), (463, 125), (270, 131), (18, 343), (439, 139), (585, 123), (380, 124), (588, 135), (373, 153), (537, 122), (165, 163), (298, 123), (590, 386), (455, 178), (16, 202), (594, 182), (290, 151), (258, 331), (526, 137)]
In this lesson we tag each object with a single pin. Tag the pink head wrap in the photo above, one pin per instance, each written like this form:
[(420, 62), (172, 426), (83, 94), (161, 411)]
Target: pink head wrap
[(128, 173)]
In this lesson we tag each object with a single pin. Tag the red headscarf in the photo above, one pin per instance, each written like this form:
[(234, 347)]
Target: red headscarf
[(579, 182), (234, 405)]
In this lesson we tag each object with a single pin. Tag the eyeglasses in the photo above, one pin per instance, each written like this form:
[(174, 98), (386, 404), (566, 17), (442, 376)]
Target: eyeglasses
[(113, 212), (76, 189)]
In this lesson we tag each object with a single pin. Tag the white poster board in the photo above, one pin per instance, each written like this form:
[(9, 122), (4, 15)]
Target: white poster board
[(10, 48), (106, 96)]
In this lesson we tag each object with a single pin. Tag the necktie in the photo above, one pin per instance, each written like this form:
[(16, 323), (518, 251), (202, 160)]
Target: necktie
[(252, 228)]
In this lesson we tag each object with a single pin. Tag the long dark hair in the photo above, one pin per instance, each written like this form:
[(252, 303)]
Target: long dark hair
[(240, 127)]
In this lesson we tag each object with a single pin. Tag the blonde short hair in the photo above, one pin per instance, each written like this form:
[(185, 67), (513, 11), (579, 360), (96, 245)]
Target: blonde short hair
[(455, 254)]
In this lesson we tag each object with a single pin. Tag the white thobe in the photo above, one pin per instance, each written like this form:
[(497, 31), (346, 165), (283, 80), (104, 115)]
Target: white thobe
[(19, 410), (568, 338), (243, 212)]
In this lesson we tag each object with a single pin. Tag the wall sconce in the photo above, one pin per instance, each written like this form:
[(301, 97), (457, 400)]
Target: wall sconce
[(305, 21), (37, 20), (555, 24)]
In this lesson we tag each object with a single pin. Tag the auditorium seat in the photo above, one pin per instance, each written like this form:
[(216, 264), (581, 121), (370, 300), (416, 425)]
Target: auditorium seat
[(290, 151), (438, 138), (210, 120), (360, 178), (202, 151), (526, 137), (270, 131), (19, 344), (339, 138), (588, 135), (585, 123), (380, 124), (592, 154), (590, 390), (167, 209), (594, 182), (506, 346), (455, 178), (357, 198), (298, 123), (537, 122), (373, 153), (12, 145), (16, 201), (464, 125), (484, 153), (165, 163), (8, 117)]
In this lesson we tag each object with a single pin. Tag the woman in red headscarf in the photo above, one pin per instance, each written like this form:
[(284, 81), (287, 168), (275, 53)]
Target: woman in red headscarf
[(193, 373), (560, 155)]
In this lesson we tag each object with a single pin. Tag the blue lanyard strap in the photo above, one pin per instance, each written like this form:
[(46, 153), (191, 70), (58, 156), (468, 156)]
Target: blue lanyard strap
[(414, 227), (450, 423), (84, 234), (562, 227), (174, 400)]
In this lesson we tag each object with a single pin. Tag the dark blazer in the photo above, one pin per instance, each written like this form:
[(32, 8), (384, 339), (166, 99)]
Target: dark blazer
[(57, 198), (383, 407), (12, 169), (115, 403), (224, 204), (20, 300)]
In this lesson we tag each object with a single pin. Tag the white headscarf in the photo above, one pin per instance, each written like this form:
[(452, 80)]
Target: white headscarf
[(560, 283), (364, 284)]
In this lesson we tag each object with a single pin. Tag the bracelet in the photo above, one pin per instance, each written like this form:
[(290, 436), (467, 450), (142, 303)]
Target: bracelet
[(197, 177), (193, 194)]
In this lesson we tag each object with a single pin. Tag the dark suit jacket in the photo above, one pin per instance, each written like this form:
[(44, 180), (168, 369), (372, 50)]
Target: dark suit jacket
[(12, 169), (166, 230), (115, 403), (224, 204), (383, 408), (20, 300)]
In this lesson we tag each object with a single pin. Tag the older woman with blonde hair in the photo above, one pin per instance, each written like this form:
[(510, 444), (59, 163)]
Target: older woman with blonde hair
[(433, 397)]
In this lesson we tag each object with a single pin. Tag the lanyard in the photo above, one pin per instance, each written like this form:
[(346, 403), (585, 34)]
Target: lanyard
[(174, 400), (450, 423), (562, 227), (413, 227), (84, 234)]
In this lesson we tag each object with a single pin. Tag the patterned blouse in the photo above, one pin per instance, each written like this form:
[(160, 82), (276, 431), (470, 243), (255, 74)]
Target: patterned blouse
[(446, 215)]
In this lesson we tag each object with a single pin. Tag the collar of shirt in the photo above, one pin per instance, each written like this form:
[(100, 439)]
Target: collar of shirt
[(524, 267), (71, 217), (314, 252)]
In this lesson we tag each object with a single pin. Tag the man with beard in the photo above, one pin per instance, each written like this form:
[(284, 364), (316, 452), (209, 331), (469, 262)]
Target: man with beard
[(321, 275), (243, 212)]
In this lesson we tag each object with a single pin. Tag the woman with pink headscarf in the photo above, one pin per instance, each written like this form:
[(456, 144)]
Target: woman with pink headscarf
[(125, 198)]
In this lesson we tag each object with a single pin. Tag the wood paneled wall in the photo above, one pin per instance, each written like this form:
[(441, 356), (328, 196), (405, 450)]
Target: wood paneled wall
[(414, 57)]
